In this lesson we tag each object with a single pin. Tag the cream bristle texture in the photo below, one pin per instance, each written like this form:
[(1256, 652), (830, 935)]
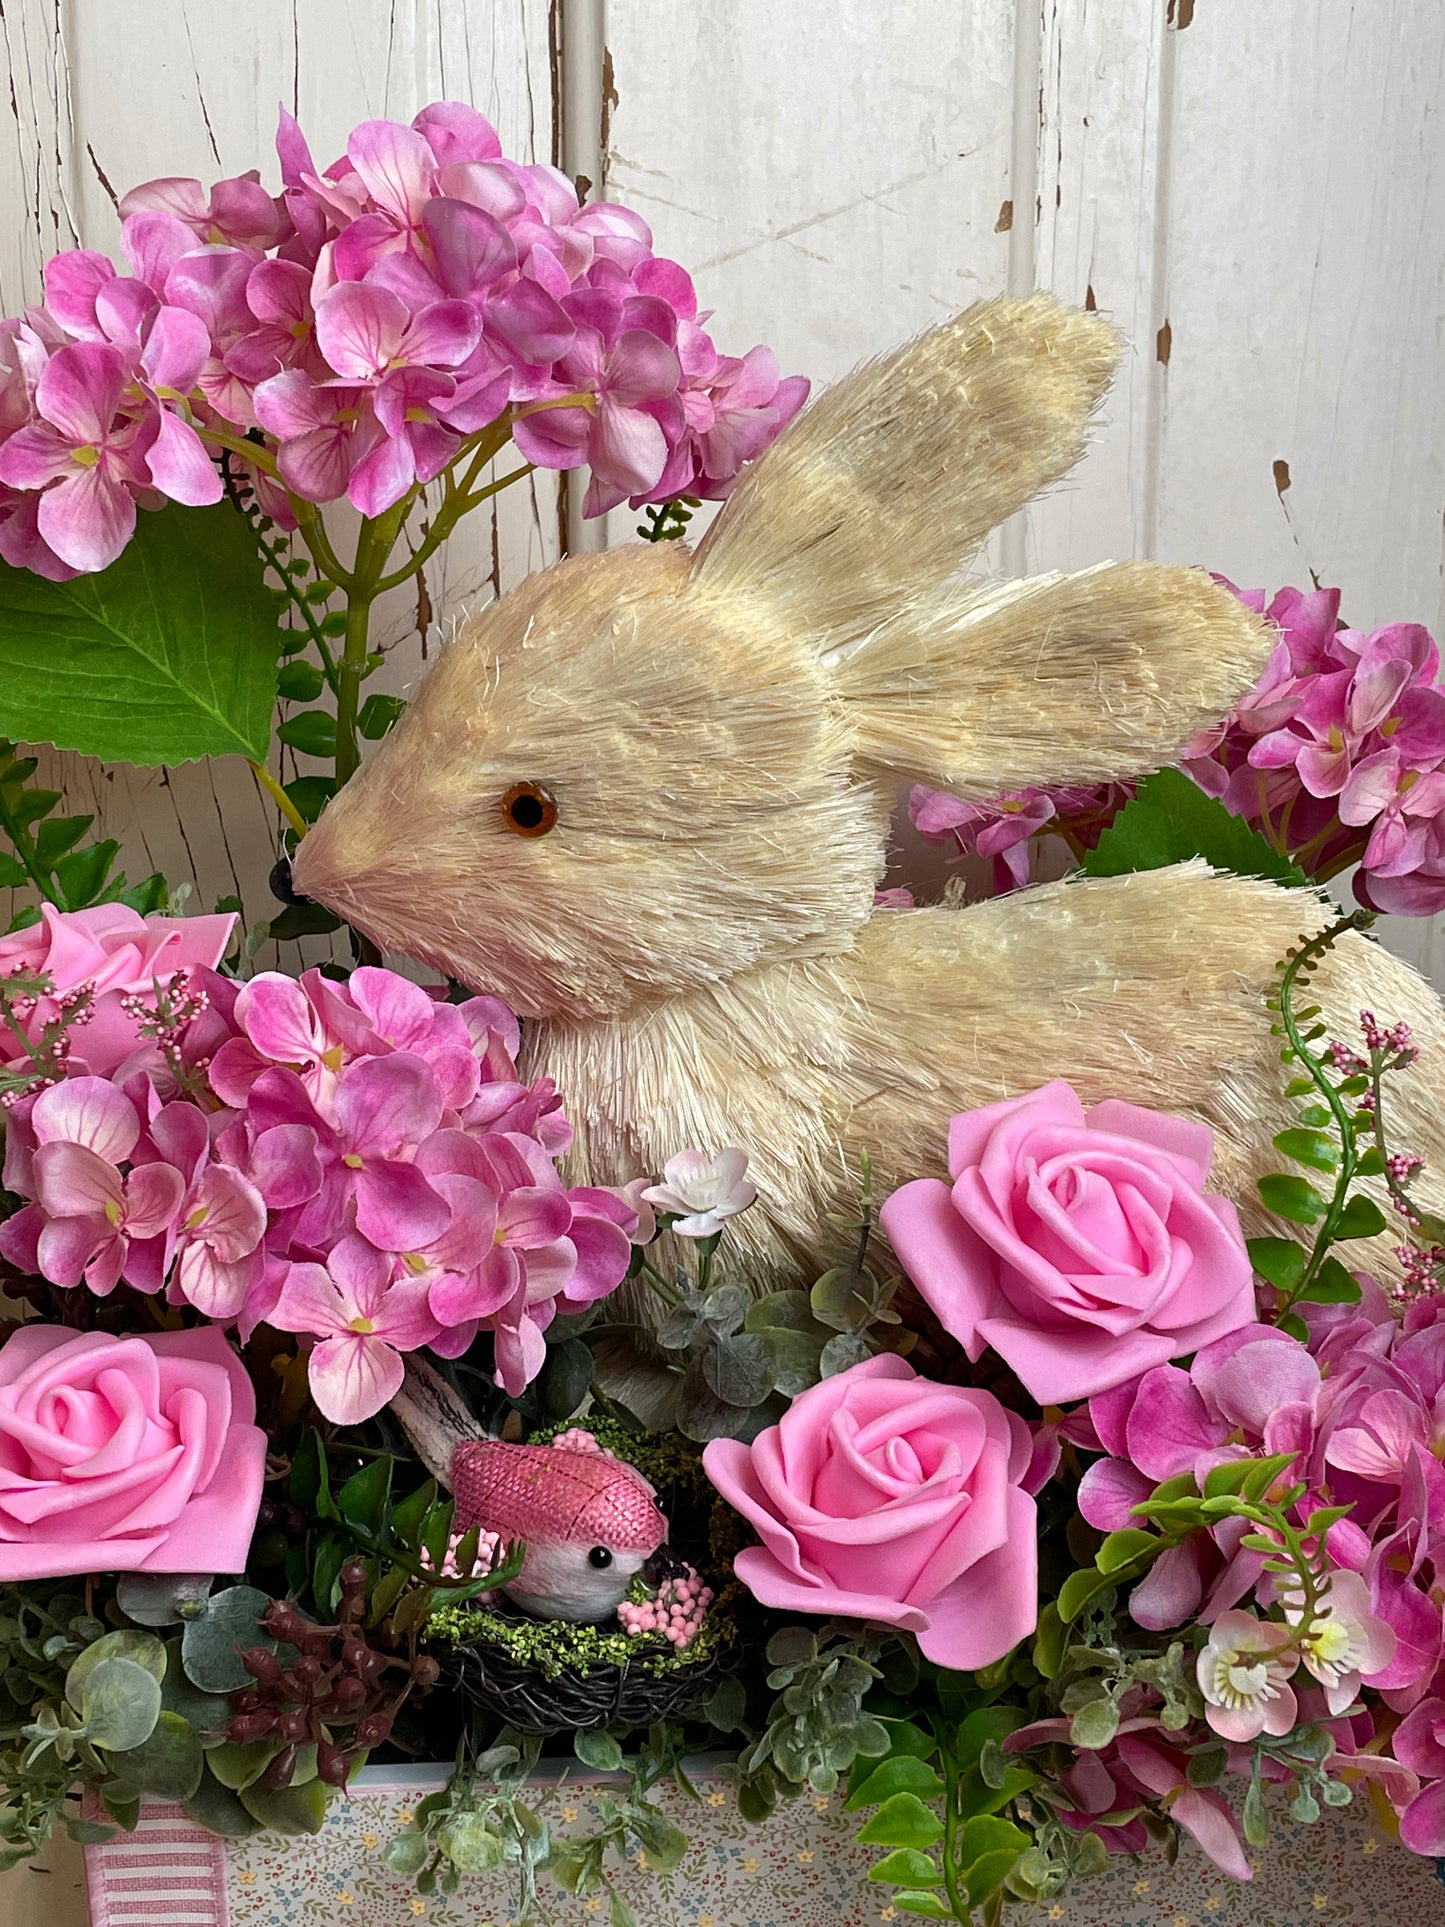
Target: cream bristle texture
[(1048, 680), (695, 940), (889, 482)]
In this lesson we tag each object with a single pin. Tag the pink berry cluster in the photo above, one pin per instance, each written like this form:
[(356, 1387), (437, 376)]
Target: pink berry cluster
[(366, 326), (489, 1551), (676, 1611)]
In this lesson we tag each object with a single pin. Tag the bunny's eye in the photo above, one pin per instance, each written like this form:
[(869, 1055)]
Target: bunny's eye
[(529, 809)]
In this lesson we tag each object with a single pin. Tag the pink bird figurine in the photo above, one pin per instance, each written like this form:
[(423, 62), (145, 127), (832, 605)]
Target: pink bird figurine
[(589, 1521)]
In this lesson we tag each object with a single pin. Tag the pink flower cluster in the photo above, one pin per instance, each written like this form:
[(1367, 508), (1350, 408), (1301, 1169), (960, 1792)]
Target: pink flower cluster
[(360, 1164), (1338, 752), (368, 319), (677, 1611), (1362, 1409), (1005, 827)]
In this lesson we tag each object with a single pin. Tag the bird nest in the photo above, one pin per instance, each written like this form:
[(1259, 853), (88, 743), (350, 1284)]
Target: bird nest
[(551, 1676)]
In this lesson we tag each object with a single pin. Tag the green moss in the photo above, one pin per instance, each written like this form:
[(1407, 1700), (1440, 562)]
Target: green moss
[(554, 1646)]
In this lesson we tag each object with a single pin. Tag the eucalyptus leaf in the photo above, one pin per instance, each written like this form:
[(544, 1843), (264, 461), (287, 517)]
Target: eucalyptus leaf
[(163, 1598), (292, 1809), (469, 1843), (211, 1646), (141, 1649), (168, 1764), (120, 1703), (600, 1751)]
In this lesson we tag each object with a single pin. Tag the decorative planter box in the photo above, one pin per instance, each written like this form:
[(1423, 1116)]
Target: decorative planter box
[(802, 1870)]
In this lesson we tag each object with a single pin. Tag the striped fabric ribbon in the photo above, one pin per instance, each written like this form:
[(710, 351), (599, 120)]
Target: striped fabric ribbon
[(168, 1873)]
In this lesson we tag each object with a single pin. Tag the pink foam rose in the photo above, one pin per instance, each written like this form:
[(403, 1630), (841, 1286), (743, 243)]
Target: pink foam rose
[(1079, 1244), (118, 951), (882, 1496), (125, 1454)]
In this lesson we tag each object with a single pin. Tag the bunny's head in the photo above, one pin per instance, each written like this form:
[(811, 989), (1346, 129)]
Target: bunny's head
[(646, 770)]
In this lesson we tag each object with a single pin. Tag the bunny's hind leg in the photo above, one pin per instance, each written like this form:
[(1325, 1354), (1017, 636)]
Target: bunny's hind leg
[(1148, 987)]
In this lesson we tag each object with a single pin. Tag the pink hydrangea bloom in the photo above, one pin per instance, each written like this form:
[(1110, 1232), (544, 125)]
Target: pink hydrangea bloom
[(368, 319), (360, 1163)]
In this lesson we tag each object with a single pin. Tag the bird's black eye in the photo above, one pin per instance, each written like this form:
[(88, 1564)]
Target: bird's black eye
[(529, 809), (599, 1557)]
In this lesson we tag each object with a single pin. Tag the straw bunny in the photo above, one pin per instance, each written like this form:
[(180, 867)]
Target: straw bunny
[(645, 799)]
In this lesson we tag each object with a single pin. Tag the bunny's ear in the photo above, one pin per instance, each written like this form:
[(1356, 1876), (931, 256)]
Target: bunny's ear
[(894, 476), (1048, 680)]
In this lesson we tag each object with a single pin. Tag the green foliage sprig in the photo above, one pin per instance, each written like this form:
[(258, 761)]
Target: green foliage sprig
[(741, 1357), (1334, 1137), (668, 521), (50, 854)]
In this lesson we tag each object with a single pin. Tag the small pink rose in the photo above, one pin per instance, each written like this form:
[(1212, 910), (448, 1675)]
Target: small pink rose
[(121, 954), (125, 1454), (882, 1496), (1080, 1245)]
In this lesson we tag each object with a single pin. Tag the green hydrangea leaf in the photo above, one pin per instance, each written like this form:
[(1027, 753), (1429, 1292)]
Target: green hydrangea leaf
[(167, 656), (1171, 820)]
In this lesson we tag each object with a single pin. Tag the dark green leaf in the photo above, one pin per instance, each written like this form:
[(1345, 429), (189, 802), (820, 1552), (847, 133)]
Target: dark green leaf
[(1333, 1286), (295, 1809), (310, 1478), (59, 834), (378, 714), (311, 794), (1122, 1548), (300, 682), (1279, 1261), (1292, 1198), (1362, 1218), (167, 656), (149, 896), (168, 1764), (566, 1377), (1170, 820), (1312, 1148), (364, 1496), (30, 805), (82, 874), (302, 920), (408, 1515), (313, 732), (988, 1852), (12, 874)]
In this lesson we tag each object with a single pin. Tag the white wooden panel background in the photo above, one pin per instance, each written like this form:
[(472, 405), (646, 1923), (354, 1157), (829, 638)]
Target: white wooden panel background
[(1255, 190)]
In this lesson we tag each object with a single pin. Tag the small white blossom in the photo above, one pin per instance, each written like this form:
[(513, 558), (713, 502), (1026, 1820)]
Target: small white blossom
[(1343, 1640), (703, 1191), (1244, 1676)]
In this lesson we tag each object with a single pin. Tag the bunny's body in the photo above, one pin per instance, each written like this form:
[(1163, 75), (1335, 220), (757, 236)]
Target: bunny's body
[(720, 738)]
